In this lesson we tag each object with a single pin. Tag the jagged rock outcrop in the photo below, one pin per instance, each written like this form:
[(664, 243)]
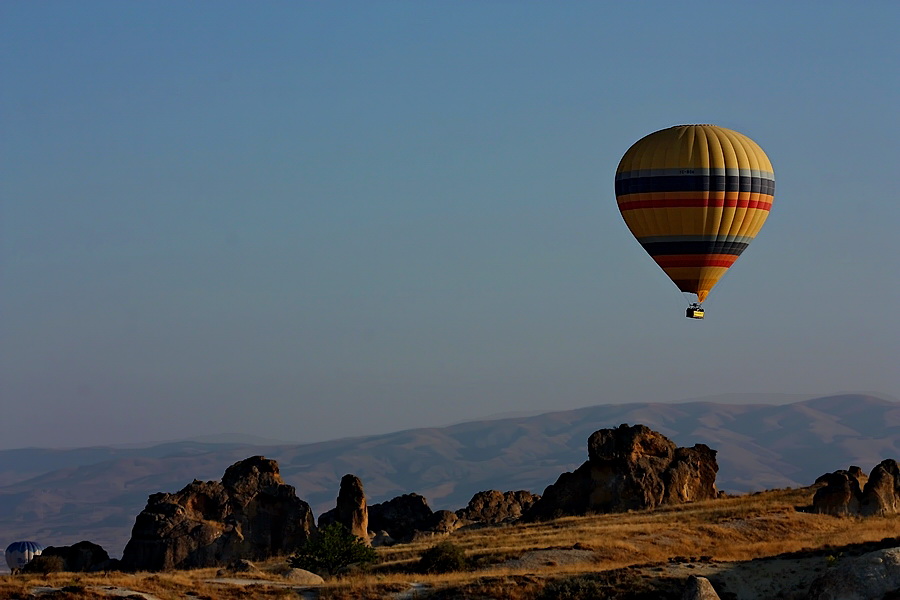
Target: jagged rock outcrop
[(351, 510), (443, 521), (868, 577), (840, 495), (881, 494), (861, 477), (251, 514), (402, 517), (851, 493), (691, 475), (83, 556), (493, 506), (630, 468), (853, 471)]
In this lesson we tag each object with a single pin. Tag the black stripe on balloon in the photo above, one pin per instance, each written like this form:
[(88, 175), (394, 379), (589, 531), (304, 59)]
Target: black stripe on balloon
[(711, 247), (695, 183), (687, 285)]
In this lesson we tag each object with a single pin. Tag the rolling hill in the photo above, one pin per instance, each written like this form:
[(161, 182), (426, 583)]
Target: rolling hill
[(63, 496)]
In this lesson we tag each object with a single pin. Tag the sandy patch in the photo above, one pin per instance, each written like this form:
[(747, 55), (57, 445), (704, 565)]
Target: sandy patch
[(538, 560), (760, 579), (107, 590)]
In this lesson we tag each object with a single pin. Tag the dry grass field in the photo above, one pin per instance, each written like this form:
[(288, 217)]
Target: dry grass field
[(641, 554)]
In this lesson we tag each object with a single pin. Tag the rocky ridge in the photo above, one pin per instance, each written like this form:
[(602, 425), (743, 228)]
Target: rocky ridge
[(95, 493), (850, 493), (250, 514), (630, 468), (492, 506)]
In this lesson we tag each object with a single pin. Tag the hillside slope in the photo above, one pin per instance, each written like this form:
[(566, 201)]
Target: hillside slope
[(64, 496)]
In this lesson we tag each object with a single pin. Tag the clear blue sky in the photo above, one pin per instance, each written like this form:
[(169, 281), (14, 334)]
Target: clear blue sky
[(324, 219)]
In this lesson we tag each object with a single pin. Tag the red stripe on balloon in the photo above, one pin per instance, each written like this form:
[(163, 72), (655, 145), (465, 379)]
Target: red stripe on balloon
[(695, 260), (695, 203)]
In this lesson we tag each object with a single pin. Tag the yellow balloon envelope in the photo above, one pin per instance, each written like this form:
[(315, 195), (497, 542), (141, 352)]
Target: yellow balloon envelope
[(694, 196)]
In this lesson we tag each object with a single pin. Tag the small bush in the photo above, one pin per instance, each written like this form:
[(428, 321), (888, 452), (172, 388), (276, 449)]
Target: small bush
[(621, 584), (445, 557), (331, 550), (45, 565), (574, 588)]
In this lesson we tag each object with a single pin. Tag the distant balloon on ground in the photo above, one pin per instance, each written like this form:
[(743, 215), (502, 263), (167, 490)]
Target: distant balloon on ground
[(19, 554), (694, 196)]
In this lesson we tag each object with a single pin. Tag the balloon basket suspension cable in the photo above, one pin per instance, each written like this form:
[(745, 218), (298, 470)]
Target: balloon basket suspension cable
[(694, 311)]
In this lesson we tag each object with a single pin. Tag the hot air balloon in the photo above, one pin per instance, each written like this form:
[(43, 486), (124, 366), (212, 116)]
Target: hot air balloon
[(694, 196), (19, 554)]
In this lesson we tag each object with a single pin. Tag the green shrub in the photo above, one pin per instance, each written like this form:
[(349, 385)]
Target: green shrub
[(621, 584), (445, 557), (574, 588), (831, 560), (332, 549), (45, 564)]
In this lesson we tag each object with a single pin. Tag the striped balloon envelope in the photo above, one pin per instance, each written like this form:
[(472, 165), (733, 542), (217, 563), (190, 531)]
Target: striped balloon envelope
[(19, 554), (694, 196)]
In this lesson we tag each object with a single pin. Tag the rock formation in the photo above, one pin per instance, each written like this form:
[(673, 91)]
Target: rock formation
[(381, 538), (840, 495), (850, 493), (443, 521), (351, 510), (240, 566), (857, 472), (83, 556), (691, 475), (402, 516), (630, 468), (881, 494), (492, 506), (250, 514)]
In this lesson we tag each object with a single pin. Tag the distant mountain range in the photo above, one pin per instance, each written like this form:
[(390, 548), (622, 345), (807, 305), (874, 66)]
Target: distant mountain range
[(60, 497)]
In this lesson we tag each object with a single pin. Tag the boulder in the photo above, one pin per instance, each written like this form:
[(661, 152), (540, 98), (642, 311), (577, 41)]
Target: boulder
[(241, 567), (881, 494), (839, 496), (443, 521), (83, 556), (351, 510), (867, 577), (251, 514), (699, 588), (492, 506), (382, 538), (303, 577), (630, 468), (402, 517)]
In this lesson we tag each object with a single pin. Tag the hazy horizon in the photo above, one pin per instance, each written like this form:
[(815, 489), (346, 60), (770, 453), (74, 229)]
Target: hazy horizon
[(232, 437), (309, 221)]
